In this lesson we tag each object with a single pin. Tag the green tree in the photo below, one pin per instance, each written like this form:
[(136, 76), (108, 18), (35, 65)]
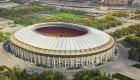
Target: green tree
[(51, 75), (132, 54)]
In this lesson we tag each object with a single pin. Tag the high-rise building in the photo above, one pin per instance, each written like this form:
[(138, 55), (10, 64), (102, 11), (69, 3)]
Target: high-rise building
[(4, 1), (116, 2)]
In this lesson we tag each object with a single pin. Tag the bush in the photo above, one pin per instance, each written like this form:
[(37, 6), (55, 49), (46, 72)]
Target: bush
[(4, 36), (51, 75), (121, 13), (73, 11), (18, 74), (136, 66), (133, 40), (132, 54), (90, 75), (121, 77), (133, 29)]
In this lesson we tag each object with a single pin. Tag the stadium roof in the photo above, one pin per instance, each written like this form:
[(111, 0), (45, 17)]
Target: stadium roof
[(93, 39)]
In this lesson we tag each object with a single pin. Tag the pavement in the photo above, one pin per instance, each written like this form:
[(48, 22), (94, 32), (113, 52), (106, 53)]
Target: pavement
[(5, 56), (11, 61), (122, 64)]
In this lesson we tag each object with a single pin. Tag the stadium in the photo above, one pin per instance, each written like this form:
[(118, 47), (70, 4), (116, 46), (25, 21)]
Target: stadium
[(62, 45)]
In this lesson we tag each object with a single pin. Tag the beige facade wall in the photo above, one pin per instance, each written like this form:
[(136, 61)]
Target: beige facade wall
[(63, 61)]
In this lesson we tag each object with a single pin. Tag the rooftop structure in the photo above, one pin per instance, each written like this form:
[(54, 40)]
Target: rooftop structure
[(2, 1), (8, 5), (6, 23), (116, 2)]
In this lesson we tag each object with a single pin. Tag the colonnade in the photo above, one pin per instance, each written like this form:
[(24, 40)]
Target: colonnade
[(63, 61)]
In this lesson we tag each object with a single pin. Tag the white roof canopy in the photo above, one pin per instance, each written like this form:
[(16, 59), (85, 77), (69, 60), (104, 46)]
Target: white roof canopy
[(93, 39)]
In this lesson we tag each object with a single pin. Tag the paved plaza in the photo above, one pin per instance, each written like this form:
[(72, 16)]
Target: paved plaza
[(122, 64)]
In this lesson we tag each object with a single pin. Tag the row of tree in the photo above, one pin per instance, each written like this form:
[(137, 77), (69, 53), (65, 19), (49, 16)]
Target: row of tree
[(92, 75), (31, 8), (133, 29), (121, 13), (135, 42), (18, 74)]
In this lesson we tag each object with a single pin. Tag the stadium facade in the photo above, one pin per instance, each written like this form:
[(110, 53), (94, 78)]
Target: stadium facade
[(62, 45)]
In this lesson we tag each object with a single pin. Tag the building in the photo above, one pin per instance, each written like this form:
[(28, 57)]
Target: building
[(116, 2), (62, 45), (6, 23), (2, 1), (136, 3), (8, 5)]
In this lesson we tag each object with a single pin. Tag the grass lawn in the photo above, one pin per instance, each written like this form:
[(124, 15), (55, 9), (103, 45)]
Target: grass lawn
[(64, 14), (28, 21), (126, 44), (4, 36), (121, 77), (136, 66)]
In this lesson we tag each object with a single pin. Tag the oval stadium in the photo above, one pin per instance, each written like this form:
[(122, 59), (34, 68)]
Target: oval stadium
[(62, 45)]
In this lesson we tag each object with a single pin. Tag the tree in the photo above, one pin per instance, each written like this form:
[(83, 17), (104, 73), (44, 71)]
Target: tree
[(90, 75), (120, 13), (51, 75), (132, 54)]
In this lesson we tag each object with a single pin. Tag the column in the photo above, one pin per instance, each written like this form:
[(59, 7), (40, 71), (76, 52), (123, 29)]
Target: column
[(71, 62), (93, 60), (54, 61), (38, 56), (31, 58), (48, 61), (65, 63), (43, 60), (82, 62), (59, 63), (76, 62), (35, 59)]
